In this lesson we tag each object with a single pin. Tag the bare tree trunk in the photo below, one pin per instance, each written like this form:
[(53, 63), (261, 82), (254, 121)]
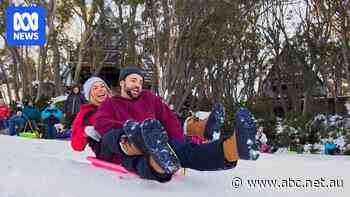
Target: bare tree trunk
[(44, 49), (41, 68), (171, 68), (15, 71), (29, 74), (157, 70), (124, 34), (25, 72), (84, 39), (22, 70), (182, 99), (336, 85), (8, 87), (346, 66), (56, 68)]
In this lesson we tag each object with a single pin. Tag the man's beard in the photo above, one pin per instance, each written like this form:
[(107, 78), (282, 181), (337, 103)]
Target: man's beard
[(128, 92)]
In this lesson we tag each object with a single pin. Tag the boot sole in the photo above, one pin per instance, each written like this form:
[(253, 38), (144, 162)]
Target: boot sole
[(246, 127), (133, 137), (217, 118), (156, 143)]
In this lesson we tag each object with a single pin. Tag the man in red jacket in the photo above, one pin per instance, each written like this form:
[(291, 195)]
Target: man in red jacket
[(4, 113), (139, 118)]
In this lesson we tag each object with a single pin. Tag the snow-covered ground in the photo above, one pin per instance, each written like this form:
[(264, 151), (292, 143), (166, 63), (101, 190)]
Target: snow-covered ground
[(49, 168)]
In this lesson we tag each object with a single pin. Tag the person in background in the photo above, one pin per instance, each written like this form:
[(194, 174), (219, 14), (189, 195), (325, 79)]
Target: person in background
[(32, 113), (4, 114), (261, 141), (17, 122), (72, 105), (51, 116), (330, 147)]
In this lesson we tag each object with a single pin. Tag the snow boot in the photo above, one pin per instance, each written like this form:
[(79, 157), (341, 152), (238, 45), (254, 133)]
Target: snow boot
[(245, 131), (215, 122), (209, 128), (156, 142), (241, 145), (129, 148), (134, 137)]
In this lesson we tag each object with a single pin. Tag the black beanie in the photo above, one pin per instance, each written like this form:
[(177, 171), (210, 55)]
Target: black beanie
[(131, 69)]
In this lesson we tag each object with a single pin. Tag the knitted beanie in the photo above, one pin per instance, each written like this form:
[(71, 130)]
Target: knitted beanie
[(131, 69), (88, 85)]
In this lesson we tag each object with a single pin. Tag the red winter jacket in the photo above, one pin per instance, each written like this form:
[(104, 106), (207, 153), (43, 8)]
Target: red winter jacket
[(4, 111), (79, 139)]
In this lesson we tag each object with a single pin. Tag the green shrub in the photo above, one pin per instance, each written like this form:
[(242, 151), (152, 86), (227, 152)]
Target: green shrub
[(347, 152), (296, 126)]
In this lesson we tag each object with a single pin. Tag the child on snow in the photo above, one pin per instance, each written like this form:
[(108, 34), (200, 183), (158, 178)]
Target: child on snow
[(51, 116)]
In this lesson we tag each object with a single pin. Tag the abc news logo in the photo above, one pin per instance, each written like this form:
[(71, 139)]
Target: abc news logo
[(25, 25)]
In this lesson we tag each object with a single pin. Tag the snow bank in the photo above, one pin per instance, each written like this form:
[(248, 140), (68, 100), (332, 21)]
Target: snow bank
[(30, 168)]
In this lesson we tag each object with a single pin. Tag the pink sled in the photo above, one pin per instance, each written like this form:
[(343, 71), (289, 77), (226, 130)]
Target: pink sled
[(115, 167)]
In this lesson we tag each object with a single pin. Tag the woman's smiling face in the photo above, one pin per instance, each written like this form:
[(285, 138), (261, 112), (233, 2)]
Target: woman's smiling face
[(98, 93)]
